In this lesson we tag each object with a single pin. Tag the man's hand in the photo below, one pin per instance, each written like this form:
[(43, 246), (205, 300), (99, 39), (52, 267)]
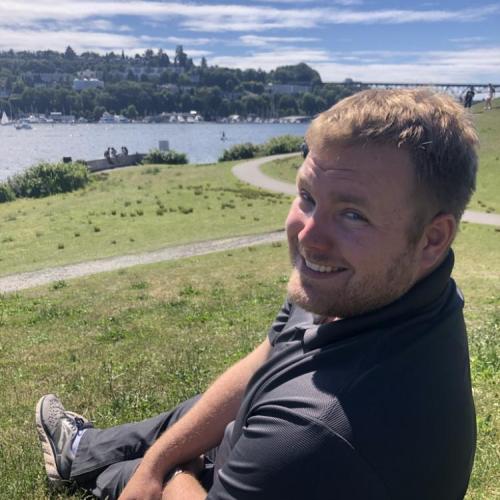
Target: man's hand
[(200, 429), (143, 485), (185, 485)]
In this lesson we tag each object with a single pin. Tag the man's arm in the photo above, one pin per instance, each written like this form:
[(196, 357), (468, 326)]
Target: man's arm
[(199, 430)]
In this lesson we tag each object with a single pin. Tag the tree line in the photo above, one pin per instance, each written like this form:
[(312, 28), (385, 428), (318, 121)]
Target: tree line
[(151, 83)]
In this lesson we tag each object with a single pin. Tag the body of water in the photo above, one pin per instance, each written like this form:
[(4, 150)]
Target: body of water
[(201, 142)]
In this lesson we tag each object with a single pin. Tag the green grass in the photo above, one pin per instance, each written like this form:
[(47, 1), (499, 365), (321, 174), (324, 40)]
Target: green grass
[(126, 345), (132, 210), (487, 195)]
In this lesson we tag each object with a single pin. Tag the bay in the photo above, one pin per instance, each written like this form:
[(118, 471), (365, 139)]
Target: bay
[(201, 142)]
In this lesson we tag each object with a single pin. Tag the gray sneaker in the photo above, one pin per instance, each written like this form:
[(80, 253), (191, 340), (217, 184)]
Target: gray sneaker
[(57, 429)]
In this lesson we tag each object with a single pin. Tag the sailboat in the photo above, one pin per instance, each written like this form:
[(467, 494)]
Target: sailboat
[(5, 119)]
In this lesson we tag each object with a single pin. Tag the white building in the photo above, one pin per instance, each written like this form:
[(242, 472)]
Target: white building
[(87, 83)]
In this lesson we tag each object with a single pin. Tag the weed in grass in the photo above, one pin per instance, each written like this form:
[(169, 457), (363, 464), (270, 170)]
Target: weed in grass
[(7, 239), (138, 201), (113, 212), (123, 214), (60, 246), (97, 229), (256, 219), (189, 291), (242, 217), (111, 335), (160, 211), (77, 234), (127, 203), (139, 212), (139, 285), (113, 242), (57, 285)]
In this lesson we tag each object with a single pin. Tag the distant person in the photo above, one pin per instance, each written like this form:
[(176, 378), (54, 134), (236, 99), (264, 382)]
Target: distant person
[(361, 389), (113, 152), (304, 149), (223, 136), (107, 155), (469, 97), (489, 98), (124, 151)]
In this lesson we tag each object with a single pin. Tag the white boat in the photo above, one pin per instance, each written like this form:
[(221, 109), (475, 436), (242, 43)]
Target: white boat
[(23, 125), (5, 119)]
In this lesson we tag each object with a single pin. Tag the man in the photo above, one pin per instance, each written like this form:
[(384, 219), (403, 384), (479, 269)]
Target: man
[(362, 388)]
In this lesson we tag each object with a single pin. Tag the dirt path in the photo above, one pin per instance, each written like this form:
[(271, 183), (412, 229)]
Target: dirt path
[(22, 281), (250, 172)]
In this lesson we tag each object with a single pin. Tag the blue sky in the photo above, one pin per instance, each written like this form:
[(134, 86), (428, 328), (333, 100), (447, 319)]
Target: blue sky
[(369, 40)]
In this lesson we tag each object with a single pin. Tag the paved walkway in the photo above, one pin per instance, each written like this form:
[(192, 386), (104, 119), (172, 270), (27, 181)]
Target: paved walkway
[(250, 172), (22, 281)]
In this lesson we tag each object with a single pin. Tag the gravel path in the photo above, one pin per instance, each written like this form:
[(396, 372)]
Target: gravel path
[(250, 172), (22, 281), (247, 172)]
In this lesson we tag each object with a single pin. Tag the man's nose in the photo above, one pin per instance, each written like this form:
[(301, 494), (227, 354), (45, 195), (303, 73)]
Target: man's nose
[(316, 233)]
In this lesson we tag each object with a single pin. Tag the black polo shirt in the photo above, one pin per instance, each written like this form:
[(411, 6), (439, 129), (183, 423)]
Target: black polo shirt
[(377, 406)]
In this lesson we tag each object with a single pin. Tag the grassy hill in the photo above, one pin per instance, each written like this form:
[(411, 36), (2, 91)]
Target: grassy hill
[(132, 210)]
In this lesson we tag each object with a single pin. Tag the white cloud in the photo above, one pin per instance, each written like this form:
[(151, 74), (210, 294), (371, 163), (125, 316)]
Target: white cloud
[(264, 41), (468, 39), (189, 41), (228, 17), (58, 40), (271, 59), (469, 66)]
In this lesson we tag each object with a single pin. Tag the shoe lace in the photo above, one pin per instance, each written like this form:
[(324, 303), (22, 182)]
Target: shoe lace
[(81, 424)]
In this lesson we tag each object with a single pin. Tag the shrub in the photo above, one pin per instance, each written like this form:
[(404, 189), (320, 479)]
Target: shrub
[(46, 179), (239, 152), (6, 193), (282, 144), (169, 157)]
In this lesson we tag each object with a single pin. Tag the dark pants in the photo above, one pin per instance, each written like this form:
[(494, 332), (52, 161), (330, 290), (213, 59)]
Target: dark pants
[(107, 458)]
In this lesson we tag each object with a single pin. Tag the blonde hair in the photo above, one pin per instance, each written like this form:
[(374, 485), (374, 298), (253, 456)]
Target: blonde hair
[(435, 130)]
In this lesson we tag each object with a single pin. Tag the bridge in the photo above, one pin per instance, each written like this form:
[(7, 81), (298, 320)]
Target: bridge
[(446, 87)]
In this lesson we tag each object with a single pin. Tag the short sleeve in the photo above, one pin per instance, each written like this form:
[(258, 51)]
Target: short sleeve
[(280, 322), (284, 455)]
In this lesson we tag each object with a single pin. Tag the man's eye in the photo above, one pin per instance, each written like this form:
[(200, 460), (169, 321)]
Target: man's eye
[(305, 196), (354, 216)]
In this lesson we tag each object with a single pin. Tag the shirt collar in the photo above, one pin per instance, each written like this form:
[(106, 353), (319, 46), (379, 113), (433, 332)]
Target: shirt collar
[(423, 295)]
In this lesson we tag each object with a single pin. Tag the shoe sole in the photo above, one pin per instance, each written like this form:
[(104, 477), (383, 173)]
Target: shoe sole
[(49, 454)]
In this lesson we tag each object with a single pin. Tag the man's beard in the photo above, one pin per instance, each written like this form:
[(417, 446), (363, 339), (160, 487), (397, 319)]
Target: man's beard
[(358, 295)]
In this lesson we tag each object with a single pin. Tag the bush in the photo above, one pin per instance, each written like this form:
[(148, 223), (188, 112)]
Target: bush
[(170, 157), (282, 144), (275, 146), (6, 193), (239, 152), (46, 179)]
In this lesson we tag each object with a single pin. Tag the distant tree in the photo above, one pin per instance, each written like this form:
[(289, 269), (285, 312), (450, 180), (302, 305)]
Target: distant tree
[(163, 59), (130, 112), (70, 53), (203, 64), (298, 73), (98, 112), (180, 57)]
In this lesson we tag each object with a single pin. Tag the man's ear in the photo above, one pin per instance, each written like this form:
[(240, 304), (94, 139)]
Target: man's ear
[(436, 239)]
